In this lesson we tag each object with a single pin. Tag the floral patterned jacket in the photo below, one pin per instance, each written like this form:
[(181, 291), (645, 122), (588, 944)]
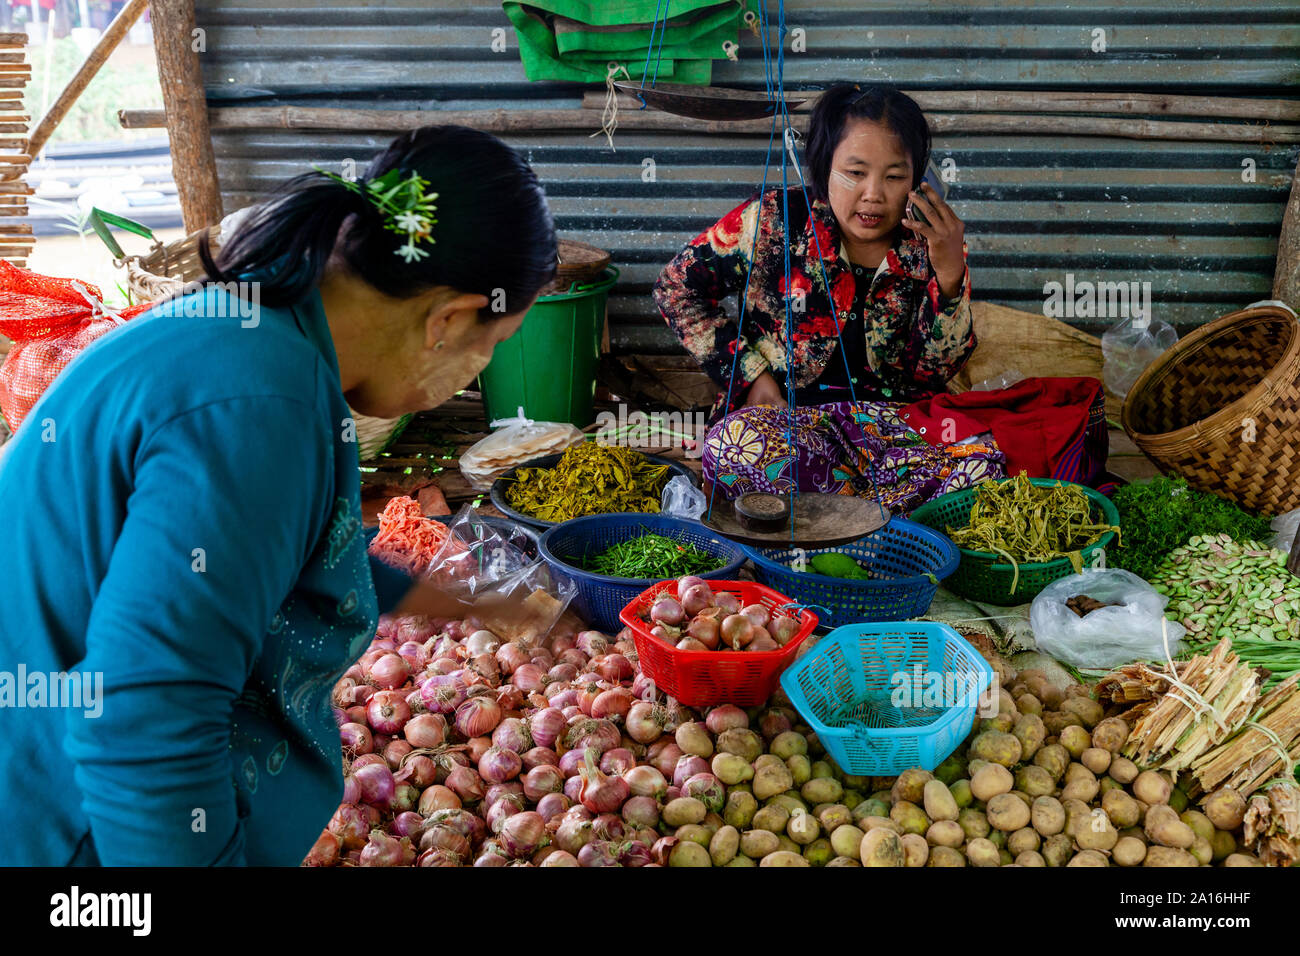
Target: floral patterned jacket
[(916, 339)]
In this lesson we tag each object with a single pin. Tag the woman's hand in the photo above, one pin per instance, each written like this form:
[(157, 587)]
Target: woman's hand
[(943, 234), (765, 391)]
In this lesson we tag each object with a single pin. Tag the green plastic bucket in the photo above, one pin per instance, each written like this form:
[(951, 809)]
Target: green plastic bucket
[(549, 366)]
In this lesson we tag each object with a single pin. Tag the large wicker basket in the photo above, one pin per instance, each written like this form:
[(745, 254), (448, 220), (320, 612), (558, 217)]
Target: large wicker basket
[(1222, 409), (167, 267)]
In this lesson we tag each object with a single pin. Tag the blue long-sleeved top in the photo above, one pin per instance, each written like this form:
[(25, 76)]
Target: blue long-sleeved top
[(180, 520)]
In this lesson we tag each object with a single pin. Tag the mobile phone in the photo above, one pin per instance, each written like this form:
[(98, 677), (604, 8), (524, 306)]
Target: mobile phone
[(936, 182)]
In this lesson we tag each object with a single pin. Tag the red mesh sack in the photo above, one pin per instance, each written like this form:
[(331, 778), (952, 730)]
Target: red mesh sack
[(50, 320)]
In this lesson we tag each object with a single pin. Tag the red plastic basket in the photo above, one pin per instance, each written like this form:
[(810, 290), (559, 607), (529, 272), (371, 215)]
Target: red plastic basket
[(705, 678)]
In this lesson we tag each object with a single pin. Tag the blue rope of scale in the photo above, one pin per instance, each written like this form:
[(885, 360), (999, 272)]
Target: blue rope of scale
[(788, 154), (660, 24)]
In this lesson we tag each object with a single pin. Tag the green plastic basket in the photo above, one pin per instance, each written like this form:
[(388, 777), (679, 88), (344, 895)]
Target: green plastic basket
[(984, 576)]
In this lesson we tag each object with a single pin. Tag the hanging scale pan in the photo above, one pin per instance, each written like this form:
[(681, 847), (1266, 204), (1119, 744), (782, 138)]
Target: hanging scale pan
[(706, 102), (818, 521)]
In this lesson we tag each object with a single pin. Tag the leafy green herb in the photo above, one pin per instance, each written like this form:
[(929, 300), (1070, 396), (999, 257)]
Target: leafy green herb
[(652, 556), (1162, 514)]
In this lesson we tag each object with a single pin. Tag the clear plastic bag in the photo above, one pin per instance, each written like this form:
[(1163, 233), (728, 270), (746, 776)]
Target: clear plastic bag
[(681, 499), (482, 564), (516, 441), (1285, 526), (1005, 380), (1109, 636), (1128, 347)]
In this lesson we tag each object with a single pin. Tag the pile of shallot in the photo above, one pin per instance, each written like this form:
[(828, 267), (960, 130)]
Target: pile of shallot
[(701, 619)]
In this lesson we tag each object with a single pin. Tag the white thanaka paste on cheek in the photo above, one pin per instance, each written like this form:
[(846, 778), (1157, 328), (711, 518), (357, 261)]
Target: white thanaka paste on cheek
[(845, 181)]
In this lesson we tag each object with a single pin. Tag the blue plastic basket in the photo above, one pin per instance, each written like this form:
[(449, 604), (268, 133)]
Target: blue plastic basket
[(860, 689), (902, 556), (600, 598)]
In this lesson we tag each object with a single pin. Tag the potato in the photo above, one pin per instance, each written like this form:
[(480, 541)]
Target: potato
[(1075, 740), (1053, 758), (872, 823), (944, 833), (1134, 832), (973, 823), (843, 861), (724, 846), (1199, 823), (783, 842), (1224, 844), (990, 780), (998, 838), (757, 844), (1178, 799), (1168, 856), (852, 798), (1088, 858), (772, 819), (834, 817), (783, 858), (1081, 788), (915, 850), (1163, 826), (1089, 710), (800, 768), (996, 747), (1034, 781), (1110, 734), (1225, 808), (695, 833), (688, 853), (1030, 730), (1030, 858), (1109, 783), (788, 743), (910, 785), (1077, 815), (823, 769), (1077, 771), (1027, 703), (822, 790), (743, 861), (1055, 721), (819, 852), (693, 737), (1007, 813), (1128, 852), (1095, 758), (731, 769), (953, 768), (961, 794), (939, 804), (803, 828), (1202, 850), (1123, 769), (740, 809), (1023, 840), (910, 817), (1099, 834), (945, 856), (1001, 724), (1057, 850), (1151, 788), (1047, 816), (683, 810), (974, 766), (741, 742), (881, 847), (1122, 809), (981, 852), (772, 779), (1243, 859), (870, 807), (1043, 689), (847, 841)]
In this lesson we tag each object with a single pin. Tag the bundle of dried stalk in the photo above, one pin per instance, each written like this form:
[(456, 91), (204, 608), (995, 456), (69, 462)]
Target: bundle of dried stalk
[(1272, 824), (1184, 711), (1253, 756)]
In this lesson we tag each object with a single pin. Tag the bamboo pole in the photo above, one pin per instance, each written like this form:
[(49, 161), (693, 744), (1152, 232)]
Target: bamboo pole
[(1286, 277), (81, 79), (193, 163), (506, 121)]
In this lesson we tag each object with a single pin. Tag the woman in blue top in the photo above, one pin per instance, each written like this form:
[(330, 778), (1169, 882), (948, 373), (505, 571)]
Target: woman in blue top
[(183, 564)]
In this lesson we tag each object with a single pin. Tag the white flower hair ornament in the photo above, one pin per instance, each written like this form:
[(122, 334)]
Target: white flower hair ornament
[(406, 206)]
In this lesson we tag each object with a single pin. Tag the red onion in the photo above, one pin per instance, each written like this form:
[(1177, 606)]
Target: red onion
[(382, 850), (643, 688), (617, 761), (362, 694), (641, 811), (572, 712), (708, 789), (357, 738), (591, 643), (478, 716), (600, 793), (340, 716), (369, 758), (538, 757), (442, 694), (542, 657), (667, 610), (394, 751), (510, 697), (412, 627), (615, 667), (560, 695), (502, 810), (466, 784), (529, 677), (456, 630), (351, 789), (642, 723), (512, 788), (573, 834), (388, 672), (737, 631), (574, 658), (325, 851), (445, 666), (408, 824), (341, 695), (571, 762), (543, 780), (376, 783), (350, 826), (598, 853), (773, 723), (573, 787), (371, 655), (635, 853), (560, 858), (665, 757), (405, 797), (726, 717), (437, 857), (552, 805), (646, 781), (691, 644), (476, 747), (437, 798), (499, 765), (387, 712), (512, 734), (696, 598), (419, 771), (511, 656), (688, 765), (783, 629), (762, 641), (356, 714), (675, 715), (758, 615), (523, 833), (449, 760), (426, 730), (705, 630), (443, 837), (387, 625), (612, 703), (415, 655), (561, 673), (601, 735), (608, 826), (468, 825), (669, 635), (485, 666), (482, 642)]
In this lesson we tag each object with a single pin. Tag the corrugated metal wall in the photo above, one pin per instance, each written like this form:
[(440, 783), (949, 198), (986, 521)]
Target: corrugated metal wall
[(1177, 214)]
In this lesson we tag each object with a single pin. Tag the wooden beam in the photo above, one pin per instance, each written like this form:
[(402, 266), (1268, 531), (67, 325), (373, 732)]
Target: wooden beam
[(193, 164), (1286, 277), (85, 73), (507, 121)]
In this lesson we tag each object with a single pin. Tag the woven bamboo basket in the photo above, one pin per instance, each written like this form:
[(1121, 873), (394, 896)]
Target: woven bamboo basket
[(1222, 409), (166, 268)]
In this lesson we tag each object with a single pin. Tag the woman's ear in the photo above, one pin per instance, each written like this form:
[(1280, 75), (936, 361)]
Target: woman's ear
[(450, 314)]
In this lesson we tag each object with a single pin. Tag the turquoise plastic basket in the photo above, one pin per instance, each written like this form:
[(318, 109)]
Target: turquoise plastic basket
[(860, 690)]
